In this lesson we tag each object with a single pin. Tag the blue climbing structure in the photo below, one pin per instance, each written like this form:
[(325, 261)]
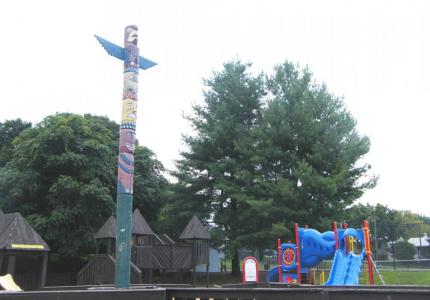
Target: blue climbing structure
[(315, 247)]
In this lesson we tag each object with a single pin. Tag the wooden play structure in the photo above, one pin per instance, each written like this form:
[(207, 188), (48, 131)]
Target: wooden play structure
[(19, 244), (149, 251)]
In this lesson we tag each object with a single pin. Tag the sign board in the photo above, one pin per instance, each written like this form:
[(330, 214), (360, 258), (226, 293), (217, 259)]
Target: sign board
[(289, 256), (249, 269)]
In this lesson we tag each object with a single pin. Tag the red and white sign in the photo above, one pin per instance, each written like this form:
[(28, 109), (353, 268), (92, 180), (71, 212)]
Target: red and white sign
[(250, 269)]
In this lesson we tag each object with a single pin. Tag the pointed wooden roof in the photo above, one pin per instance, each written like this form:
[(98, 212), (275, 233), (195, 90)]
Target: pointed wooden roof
[(195, 231), (139, 225), (17, 234), (108, 230)]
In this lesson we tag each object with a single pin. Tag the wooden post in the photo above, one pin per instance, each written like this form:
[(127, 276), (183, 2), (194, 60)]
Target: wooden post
[(109, 247), (11, 265), (194, 262), (207, 274), (208, 262), (43, 267), (1, 262)]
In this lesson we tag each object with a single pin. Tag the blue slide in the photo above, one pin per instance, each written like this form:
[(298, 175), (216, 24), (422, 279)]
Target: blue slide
[(345, 269)]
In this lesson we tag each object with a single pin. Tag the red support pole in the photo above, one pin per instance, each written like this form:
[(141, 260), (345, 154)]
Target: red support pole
[(345, 226), (368, 250), (336, 236), (296, 229), (279, 262)]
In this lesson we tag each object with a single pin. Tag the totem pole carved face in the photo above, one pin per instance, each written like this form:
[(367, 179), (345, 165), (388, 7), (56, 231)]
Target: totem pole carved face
[(127, 142), (130, 82), (131, 35)]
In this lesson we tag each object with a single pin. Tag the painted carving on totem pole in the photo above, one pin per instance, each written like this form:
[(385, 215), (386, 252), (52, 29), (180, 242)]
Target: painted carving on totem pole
[(130, 82), (131, 62), (127, 141), (125, 173), (129, 112)]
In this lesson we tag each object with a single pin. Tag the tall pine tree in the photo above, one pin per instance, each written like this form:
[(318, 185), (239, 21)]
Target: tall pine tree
[(213, 172), (309, 151), (255, 167)]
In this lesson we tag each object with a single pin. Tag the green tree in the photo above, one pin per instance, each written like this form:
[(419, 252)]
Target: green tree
[(150, 185), (213, 172), (9, 130), (308, 152), (403, 250), (62, 178), (387, 220), (259, 166)]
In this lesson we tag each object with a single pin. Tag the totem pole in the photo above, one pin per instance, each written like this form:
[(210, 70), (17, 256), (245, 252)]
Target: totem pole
[(132, 62)]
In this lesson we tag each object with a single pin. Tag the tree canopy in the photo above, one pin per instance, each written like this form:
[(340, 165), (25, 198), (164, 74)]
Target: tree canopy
[(269, 151), (9, 130), (62, 177)]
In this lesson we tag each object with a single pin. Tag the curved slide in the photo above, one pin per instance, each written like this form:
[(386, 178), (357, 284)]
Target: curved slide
[(345, 269)]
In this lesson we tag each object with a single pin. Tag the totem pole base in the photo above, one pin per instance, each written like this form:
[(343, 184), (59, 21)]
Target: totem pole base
[(123, 247)]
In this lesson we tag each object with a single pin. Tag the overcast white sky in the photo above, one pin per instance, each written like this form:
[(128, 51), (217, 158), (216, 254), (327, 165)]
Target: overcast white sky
[(374, 53)]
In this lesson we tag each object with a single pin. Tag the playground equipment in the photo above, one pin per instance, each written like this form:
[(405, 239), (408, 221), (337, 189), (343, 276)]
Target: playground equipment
[(348, 247), (150, 251)]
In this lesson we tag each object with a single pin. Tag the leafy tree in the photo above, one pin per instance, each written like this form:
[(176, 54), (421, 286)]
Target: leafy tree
[(387, 220), (62, 178), (308, 152), (403, 250), (8, 131), (411, 224), (150, 185), (256, 167), (213, 172)]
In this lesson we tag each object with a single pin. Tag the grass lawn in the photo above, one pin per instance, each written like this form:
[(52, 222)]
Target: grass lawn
[(399, 278), (390, 277), (408, 278)]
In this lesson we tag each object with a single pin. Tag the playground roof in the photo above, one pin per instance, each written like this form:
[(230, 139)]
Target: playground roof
[(108, 230), (139, 227), (419, 241), (195, 231), (17, 234)]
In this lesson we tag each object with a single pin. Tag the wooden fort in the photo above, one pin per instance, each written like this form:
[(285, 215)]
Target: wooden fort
[(21, 245), (149, 251)]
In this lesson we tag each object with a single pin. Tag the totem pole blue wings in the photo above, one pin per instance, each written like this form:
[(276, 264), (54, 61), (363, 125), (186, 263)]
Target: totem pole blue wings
[(118, 52)]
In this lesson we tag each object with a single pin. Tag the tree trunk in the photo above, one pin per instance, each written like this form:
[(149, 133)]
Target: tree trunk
[(235, 268)]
